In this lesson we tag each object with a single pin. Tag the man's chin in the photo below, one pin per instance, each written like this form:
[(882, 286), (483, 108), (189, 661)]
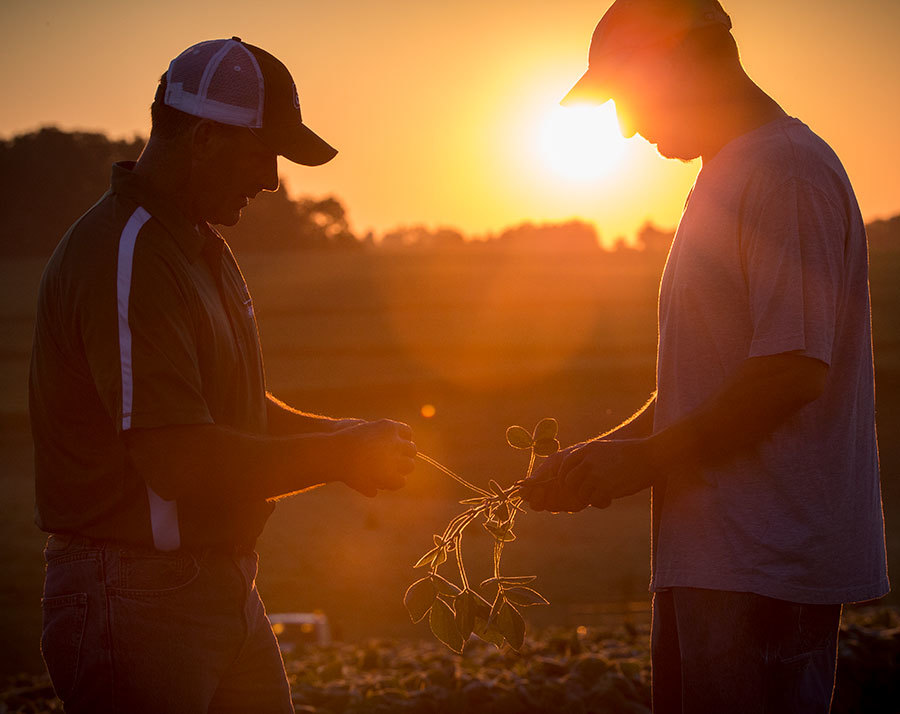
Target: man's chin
[(671, 152), (226, 218)]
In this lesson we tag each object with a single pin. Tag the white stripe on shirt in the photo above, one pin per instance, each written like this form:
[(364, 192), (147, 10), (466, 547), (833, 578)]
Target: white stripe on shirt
[(163, 514)]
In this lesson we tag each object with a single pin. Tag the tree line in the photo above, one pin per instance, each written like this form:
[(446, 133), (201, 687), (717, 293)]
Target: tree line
[(49, 177)]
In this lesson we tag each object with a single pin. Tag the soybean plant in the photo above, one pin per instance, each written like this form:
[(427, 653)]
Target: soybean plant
[(456, 609)]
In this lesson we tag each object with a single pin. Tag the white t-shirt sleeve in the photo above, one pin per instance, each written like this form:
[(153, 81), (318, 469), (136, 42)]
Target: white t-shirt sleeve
[(793, 256)]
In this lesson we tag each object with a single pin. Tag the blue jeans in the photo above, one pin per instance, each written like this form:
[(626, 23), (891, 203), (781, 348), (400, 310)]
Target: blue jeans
[(136, 630), (715, 651)]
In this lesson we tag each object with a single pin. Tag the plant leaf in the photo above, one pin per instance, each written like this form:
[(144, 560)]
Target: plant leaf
[(500, 532), (510, 624), (428, 558), (482, 606), (465, 613), (524, 597), (510, 580), (475, 501), (440, 557), (546, 447), (444, 586), (443, 625), (419, 598), (438, 540), (489, 633), (518, 437), (499, 602), (546, 429), (495, 487)]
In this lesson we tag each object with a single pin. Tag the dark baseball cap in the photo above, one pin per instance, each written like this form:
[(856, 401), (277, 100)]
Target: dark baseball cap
[(630, 26), (236, 83)]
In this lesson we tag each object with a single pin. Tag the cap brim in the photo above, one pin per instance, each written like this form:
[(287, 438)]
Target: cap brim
[(298, 143), (587, 90)]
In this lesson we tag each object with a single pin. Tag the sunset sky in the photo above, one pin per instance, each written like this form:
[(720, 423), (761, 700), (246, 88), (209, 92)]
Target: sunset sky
[(446, 113)]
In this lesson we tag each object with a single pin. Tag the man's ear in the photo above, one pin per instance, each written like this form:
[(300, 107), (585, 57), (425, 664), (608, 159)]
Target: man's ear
[(203, 137)]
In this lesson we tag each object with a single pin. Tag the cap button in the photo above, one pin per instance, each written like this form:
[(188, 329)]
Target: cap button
[(236, 38)]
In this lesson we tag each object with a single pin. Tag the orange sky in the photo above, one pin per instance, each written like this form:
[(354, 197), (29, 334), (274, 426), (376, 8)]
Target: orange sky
[(438, 107)]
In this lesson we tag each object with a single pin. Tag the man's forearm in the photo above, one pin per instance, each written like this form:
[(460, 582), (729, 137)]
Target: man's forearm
[(764, 393), (284, 420), (639, 425), (211, 462)]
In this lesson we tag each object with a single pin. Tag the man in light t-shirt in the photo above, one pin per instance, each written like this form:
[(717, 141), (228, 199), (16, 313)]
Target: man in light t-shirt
[(760, 442)]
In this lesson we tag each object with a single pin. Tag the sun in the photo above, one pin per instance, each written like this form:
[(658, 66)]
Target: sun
[(581, 143)]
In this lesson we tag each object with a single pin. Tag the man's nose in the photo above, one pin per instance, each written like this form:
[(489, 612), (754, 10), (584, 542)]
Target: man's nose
[(269, 174)]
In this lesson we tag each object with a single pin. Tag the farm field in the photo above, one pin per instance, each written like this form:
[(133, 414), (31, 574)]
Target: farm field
[(487, 339)]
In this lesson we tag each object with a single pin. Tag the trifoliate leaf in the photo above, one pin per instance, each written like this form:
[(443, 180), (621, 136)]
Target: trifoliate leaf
[(489, 633), (444, 586), (428, 558), (419, 598), (465, 613), (518, 437), (546, 429), (546, 447), (524, 597), (443, 625), (482, 606), (502, 533), (440, 557), (513, 579), (511, 625)]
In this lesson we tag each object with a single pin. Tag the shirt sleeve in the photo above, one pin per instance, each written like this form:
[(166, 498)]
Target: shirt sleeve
[(148, 372), (793, 260)]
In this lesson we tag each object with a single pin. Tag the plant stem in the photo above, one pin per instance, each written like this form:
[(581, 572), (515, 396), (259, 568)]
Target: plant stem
[(455, 477), (459, 561)]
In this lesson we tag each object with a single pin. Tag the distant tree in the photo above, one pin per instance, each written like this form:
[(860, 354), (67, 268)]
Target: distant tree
[(48, 178), (653, 240), (329, 218), (550, 237), (884, 235), (273, 221), (421, 238)]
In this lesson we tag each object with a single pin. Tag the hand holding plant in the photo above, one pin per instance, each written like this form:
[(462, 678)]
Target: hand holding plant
[(456, 611)]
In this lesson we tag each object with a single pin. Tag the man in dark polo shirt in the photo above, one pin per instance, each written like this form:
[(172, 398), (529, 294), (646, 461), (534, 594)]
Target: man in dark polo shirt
[(158, 451)]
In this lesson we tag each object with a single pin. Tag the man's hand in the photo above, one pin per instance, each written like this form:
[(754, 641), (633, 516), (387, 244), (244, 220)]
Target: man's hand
[(375, 455), (592, 473), (545, 490)]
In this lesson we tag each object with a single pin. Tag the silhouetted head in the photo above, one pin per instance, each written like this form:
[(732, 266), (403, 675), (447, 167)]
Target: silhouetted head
[(223, 112), (664, 63)]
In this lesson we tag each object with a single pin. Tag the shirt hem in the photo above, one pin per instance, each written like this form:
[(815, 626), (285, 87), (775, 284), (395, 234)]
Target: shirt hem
[(778, 590)]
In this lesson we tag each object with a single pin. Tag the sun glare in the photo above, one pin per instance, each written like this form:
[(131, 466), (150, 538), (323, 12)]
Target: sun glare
[(581, 142)]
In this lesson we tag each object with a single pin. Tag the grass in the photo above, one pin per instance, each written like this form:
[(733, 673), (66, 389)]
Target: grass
[(489, 340)]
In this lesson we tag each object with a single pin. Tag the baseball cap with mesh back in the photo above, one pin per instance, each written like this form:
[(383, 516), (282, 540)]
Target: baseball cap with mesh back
[(630, 26), (232, 82)]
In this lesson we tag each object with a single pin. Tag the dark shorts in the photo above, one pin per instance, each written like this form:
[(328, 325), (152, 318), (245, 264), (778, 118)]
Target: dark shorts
[(136, 630), (715, 651)]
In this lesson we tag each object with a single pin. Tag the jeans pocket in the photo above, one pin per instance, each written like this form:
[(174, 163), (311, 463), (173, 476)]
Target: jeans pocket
[(150, 575), (64, 618)]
